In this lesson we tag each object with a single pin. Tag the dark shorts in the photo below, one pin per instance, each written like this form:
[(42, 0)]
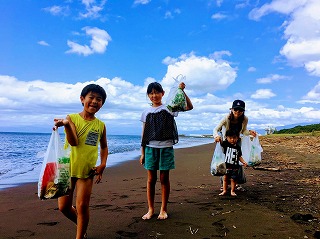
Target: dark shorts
[(233, 173), (159, 158)]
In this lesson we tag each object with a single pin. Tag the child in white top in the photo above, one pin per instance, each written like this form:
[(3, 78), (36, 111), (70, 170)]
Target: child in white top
[(159, 134)]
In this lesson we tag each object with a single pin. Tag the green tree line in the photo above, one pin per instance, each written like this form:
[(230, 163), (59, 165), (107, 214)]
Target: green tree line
[(299, 129)]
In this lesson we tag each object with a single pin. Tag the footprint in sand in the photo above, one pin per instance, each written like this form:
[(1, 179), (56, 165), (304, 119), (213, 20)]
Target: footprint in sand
[(220, 227), (127, 234), (101, 206), (48, 223), (25, 233)]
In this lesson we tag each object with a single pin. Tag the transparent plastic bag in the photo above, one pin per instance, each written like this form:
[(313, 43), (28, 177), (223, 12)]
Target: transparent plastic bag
[(255, 153), (218, 165), (176, 101), (54, 180), (246, 145)]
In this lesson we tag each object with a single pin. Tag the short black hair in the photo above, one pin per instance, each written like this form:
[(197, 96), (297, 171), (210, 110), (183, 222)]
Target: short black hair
[(96, 89), (231, 133), (156, 86)]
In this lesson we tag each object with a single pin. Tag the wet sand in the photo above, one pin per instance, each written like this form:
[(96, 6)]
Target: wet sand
[(281, 200)]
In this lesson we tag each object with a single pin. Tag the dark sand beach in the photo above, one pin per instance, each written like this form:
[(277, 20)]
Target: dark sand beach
[(281, 200)]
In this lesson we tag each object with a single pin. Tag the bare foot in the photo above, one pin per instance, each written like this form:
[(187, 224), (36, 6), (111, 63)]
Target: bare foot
[(233, 194), (163, 215), (148, 215), (223, 193)]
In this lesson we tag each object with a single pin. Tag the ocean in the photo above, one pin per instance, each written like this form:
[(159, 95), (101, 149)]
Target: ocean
[(21, 154)]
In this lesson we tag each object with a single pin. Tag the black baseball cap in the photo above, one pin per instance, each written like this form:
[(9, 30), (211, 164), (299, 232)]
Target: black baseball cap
[(238, 104)]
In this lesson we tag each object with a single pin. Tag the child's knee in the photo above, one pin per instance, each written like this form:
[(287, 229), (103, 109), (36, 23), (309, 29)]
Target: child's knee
[(82, 207), (152, 180), (64, 208)]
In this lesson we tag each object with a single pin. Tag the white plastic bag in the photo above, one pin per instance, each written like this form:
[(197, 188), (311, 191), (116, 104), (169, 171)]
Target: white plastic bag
[(176, 101), (54, 179), (218, 165), (255, 154), (246, 145)]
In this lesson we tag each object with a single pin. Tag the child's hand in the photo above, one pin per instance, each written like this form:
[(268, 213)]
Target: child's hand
[(245, 164), (217, 139), (253, 133), (182, 86), (59, 123), (99, 171), (141, 159)]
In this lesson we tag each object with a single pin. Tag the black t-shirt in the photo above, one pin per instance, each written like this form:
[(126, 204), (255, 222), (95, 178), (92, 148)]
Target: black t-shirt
[(232, 154)]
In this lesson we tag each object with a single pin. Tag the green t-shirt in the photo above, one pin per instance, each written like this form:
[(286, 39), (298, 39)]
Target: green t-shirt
[(84, 156)]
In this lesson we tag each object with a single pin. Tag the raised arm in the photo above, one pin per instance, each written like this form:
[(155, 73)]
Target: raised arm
[(182, 86)]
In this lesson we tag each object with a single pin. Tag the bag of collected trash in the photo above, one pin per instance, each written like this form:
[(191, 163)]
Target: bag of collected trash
[(246, 145), (54, 179), (218, 165), (255, 153), (176, 101)]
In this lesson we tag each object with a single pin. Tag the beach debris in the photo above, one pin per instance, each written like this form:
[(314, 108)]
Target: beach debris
[(275, 169), (156, 234), (215, 213), (193, 231), (302, 217), (227, 212)]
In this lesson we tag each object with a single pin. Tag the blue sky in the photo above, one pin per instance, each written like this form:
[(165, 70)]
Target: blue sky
[(266, 53)]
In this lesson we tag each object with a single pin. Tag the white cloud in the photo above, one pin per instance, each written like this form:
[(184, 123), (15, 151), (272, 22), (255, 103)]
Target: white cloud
[(263, 94), (141, 2), (271, 78), (43, 43), (313, 96), (219, 16), (313, 67), (301, 31), (219, 2), (203, 75), (32, 105), (99, 42), (219, 54), (168, 15), (92, 9), (169, 60), (251, 69), (172, 14), (281, 6), (242, 4), (57, 10)]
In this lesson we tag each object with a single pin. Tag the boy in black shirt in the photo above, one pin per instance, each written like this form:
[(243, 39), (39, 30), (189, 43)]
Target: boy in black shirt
[(233, 155)]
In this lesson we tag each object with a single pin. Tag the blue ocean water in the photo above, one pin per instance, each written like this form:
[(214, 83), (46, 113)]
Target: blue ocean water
[(21, 154)]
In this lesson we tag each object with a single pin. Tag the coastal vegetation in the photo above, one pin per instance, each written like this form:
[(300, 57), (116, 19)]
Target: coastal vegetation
[(312, 129)]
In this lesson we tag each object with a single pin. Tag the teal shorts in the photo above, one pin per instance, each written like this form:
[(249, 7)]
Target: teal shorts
[(159, 158)]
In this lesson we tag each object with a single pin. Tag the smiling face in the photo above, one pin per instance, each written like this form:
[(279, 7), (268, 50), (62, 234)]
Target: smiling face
[(237, 112), (92, 102), (155, 97)]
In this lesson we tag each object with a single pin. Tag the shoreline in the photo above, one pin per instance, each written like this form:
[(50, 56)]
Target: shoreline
[(113, 160), (195, 210)]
